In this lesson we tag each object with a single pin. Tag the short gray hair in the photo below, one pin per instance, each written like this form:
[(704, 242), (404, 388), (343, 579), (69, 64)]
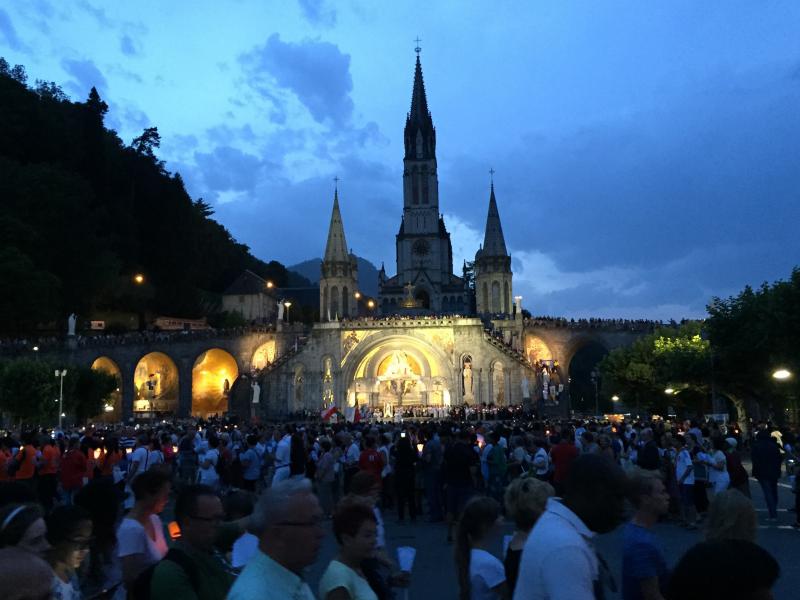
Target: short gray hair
[(274, 504)]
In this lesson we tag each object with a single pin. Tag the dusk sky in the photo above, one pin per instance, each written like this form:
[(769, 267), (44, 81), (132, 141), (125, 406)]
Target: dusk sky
[(647, 155)]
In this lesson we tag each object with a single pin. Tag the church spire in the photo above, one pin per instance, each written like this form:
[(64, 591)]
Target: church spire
[(494, 244), (336, 248), (420, 134)]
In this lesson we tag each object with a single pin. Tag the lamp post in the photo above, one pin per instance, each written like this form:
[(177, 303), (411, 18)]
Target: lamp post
[(595, 375), (61, 374), (288, 305)]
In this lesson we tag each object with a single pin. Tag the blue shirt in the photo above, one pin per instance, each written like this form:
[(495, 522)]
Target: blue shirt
[(642, 559), (252, 470)]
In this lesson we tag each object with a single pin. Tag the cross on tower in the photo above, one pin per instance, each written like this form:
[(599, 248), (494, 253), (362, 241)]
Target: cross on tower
[(418, 49), (336, 182), (491, 174)]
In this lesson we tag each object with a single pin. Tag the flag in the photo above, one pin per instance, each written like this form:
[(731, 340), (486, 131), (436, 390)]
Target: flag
[(327, 413)]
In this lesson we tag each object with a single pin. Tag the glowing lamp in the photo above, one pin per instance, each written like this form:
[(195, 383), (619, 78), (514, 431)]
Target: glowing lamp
[(615, 398), (174, 449), (138, 278), (270, 285), (420, 447), (781, 374), (669, 391), (128, 450), (357, 295), (174, 530)]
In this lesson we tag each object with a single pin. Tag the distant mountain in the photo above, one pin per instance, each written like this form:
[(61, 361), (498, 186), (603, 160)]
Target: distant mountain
[(367, 274)]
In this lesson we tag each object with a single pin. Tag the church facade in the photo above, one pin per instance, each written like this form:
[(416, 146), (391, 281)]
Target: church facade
[(427, 345)]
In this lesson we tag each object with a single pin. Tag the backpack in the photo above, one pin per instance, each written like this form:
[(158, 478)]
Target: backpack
[(143, 582)]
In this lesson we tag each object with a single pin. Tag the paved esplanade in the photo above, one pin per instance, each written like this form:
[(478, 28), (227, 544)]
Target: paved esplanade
[(434, 574)]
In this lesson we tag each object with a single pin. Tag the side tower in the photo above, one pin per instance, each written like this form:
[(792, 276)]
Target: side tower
[(493, 267), (339, 280)]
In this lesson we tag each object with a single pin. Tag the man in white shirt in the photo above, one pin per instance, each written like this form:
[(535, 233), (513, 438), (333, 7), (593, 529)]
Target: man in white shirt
[(559, 561), (283, 454), (684, 473), (137, 464)]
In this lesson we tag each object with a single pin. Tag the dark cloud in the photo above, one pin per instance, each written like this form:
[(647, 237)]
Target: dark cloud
[(318, 12), (318, 73), (8, 33), (85, 76), (229, 169), (128, 46), (99, 14)]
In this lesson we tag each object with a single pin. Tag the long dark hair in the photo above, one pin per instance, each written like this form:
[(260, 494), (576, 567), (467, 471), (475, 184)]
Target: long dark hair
[(479, 515), (101, 500)]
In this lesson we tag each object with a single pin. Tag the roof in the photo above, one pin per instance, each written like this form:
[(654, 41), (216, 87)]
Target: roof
[(248, 283)]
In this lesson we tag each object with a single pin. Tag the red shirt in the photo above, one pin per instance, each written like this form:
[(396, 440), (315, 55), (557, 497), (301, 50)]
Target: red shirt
[(371, 461), (562, 456), (5, 456), (51, 458), (73, 469), (28, 463)]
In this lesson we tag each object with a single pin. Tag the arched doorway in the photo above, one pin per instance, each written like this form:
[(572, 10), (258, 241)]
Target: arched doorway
[(112, 411), (582, 384), (398, 371), (264, 355), (499, 391), (156, 383), (213, 374), (423, 299)]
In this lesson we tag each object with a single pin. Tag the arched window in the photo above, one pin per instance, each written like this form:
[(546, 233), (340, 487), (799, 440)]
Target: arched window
[(335, 302), (424, 177), (506, 299), (325, 316), (414, 186), (345, 302), (496, 297), (485, 304)]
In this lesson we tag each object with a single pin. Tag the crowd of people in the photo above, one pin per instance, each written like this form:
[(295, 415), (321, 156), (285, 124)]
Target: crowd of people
[(250, 505)]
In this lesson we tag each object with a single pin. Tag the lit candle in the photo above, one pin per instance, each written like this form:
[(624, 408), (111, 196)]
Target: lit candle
[(174, 530), (128, 450), (420, 447), (174, 449), (96, 453)]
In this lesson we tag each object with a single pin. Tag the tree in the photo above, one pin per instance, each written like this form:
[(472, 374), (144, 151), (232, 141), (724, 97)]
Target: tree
[(27, 390), (145, 144), (88, 390)]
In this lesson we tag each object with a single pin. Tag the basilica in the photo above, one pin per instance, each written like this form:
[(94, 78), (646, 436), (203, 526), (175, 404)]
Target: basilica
[(436, 339)]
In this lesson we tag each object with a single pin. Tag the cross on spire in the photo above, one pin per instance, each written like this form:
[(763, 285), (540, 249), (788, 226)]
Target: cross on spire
[(491, 175), (336, 182), (417, 49)]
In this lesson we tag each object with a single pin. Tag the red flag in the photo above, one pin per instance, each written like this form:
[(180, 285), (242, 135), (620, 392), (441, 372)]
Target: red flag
[(327, 413)]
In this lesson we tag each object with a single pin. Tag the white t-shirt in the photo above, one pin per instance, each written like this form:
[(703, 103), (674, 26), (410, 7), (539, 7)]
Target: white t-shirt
[(340, 575), (209, 476), (682, 463), (139, 455), (486, 572), (133, 539), (541, 462)]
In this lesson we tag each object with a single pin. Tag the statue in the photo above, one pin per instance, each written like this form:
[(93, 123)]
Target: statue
[(280, 311), (71, 320), (466, 378), (526, 391), (256, 392)]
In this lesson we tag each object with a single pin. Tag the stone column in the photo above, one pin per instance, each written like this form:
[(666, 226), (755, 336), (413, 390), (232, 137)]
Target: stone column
[(490, 385), (128, 390), (507, 387), (185, 387)]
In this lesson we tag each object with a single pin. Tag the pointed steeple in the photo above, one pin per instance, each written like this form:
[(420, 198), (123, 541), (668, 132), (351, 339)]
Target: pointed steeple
[(336, 248), (420, 134), (494, 244)]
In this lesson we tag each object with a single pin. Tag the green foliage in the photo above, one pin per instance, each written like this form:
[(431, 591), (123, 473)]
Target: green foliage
[(86, 391), (27, 390), (675, 358), (81, 212)]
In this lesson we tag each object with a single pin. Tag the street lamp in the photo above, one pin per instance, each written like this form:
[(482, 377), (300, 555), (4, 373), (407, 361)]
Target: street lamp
[(615, 398), (782, 374), (357, 295), (270, 285), (595, 375), (370, 304), (288, 305), (61, 374), (669, 391), (138, 279)]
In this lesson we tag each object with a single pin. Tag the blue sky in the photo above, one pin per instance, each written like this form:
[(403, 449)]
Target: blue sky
[(647, 155)]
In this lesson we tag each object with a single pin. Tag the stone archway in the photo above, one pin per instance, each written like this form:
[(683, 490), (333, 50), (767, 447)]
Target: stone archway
[(586, 354), (263, 356), (112, 411), (398, 370), (156, 386), (213, 374)]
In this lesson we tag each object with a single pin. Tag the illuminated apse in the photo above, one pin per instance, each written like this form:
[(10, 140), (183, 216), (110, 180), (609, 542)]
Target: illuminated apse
[(212, 377)]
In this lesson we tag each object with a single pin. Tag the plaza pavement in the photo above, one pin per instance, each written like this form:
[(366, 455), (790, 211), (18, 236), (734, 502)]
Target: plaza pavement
[(434, 575)]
